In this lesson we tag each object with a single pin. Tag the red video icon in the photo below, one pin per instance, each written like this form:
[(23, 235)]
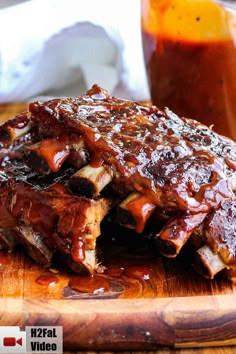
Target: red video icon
[(11, 341)]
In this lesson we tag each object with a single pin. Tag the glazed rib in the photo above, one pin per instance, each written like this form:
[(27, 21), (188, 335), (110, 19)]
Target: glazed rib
[(148, 160), (58, 221), (48, 154), (220, 231), (219, 235), (14, 128), (135, 211), (176, 233)]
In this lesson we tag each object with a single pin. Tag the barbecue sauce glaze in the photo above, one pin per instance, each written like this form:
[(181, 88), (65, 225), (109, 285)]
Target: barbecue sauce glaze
[(168, 159), (177, 163)]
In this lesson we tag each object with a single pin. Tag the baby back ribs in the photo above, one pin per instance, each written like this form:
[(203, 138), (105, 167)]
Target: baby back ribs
[(66, 162)]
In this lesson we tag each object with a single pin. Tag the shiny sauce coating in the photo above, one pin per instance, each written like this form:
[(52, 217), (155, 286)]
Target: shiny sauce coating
[(173, 161)]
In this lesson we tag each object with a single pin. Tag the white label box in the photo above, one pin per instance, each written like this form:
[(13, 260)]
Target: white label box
[(34, 339), (12, 340)]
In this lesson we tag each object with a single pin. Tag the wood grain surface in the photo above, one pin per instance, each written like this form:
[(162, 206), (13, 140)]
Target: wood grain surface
[(8, 111), (173, 307)]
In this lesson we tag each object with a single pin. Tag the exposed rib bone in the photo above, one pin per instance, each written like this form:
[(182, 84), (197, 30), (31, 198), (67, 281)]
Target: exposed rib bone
[(83, 225), (90, 181), (15, 128), (134, 211), (92, 218), (10, 134), (48, 155), (198, 237), (34, 244), (220, 230), (88, 266), (208, 263), (176, 233)]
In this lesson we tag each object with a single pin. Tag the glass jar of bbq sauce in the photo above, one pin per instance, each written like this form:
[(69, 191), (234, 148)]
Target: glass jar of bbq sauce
[(190, 56)]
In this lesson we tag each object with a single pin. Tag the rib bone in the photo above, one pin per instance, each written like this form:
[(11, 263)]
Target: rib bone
[(90, 181), (51, 152), (84, 227), (15, 128), (134, 211), (34, 244), (88, 266), (208, 263), (177, 165), (177, 232)]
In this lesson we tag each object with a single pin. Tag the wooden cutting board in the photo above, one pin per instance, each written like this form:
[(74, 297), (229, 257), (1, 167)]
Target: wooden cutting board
[(149, 301), (153, 302)]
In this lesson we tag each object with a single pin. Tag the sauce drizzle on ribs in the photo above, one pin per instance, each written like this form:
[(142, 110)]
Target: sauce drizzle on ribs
[(71, 154)]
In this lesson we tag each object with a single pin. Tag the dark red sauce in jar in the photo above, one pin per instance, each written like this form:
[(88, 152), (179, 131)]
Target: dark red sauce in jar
[(190, 56)]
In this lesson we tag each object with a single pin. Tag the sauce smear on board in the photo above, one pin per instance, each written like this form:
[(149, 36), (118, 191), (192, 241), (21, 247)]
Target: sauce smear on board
[(47, 280)]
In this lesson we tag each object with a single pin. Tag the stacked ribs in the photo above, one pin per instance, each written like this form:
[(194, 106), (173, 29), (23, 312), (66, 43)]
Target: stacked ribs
[(67, 163)]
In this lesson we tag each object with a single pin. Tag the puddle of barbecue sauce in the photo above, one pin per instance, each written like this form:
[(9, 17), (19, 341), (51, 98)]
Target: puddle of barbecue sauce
[(47, 280), (116, 281), (94, 284), (127, 270), (126, 274)]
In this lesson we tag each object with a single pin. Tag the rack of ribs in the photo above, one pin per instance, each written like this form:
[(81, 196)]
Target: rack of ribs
[(66, 163)]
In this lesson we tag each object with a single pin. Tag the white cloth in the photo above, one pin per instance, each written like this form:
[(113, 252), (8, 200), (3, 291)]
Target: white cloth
[(63, 47)]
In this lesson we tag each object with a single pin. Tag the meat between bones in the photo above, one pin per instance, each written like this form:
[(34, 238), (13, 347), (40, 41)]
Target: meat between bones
[(67, 162)]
